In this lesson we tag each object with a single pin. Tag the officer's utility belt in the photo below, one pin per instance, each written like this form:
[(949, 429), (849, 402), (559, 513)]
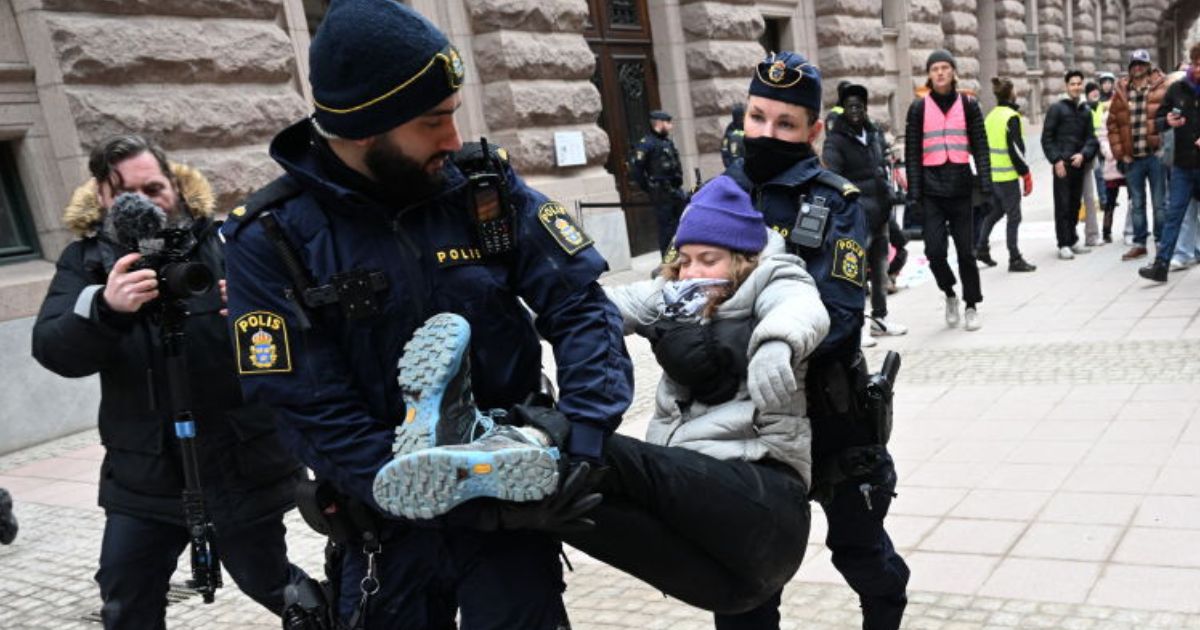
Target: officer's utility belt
[(850, 393)]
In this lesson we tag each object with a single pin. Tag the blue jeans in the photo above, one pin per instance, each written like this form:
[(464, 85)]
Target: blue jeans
[(1136, 175), (1186, 248), (1185, 184)]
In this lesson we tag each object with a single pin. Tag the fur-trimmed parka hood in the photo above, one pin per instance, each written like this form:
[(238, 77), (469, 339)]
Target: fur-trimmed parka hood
[(84, 214)]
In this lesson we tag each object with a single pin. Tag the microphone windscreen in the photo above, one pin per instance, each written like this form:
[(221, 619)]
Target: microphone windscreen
[(133, 219)]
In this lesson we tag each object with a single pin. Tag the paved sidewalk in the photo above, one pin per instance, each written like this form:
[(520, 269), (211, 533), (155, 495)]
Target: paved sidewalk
[(1049, 464)]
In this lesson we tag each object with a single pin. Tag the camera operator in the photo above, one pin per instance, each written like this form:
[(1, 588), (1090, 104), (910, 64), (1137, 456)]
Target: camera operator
[(101, 316)]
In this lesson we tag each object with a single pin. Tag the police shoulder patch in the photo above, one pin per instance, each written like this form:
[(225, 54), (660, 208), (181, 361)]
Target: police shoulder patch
[(839, 183), (849, 262), (261, 343), (558, 222)]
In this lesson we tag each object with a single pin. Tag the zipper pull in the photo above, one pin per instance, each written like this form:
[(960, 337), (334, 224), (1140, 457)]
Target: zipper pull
[(865, 489)]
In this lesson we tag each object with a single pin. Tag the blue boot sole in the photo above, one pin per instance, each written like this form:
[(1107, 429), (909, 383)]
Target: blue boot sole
[(431, 359), (430, 483)]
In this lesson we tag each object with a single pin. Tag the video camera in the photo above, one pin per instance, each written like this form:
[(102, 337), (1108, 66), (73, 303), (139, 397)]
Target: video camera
[(138, 225)]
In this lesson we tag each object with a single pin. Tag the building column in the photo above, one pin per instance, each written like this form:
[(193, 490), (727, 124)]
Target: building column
[(1084, 30), (1052, 35), (849, 39), (960, 25), (1111, 38), (1011, 46)]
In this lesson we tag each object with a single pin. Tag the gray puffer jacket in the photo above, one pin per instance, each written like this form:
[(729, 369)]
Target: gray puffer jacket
[(782, 301)]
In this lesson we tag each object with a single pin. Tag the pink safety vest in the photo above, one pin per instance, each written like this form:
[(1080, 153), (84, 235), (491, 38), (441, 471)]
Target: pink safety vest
[(945, 137)]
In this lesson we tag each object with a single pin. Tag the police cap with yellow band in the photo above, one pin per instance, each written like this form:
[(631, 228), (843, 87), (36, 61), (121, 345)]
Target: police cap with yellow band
[(789, 77), (377, 64)]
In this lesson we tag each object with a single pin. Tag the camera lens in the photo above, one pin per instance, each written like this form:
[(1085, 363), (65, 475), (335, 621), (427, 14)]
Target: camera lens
[(186, 279)]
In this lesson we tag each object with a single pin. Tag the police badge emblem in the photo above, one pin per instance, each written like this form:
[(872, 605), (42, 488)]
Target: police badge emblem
[(777, 71), (558, 222), (261, 343), (848, 257), (455, 70)]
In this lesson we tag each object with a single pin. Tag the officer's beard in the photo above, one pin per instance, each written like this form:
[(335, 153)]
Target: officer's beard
[(399, 176), (767, 157)]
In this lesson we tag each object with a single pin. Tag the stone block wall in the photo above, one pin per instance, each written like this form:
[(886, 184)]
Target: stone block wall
[(1010, 45), (1052, 48), (1111, 35), (924, 36), (1141, 24), (850, 38), (961, 28), (1084, 30), (212, 81), (535, 70), (721, 51)]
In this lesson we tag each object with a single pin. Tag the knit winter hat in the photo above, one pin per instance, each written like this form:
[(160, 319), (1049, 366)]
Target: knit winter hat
[(356, 94), (940, 55), (721, 214)]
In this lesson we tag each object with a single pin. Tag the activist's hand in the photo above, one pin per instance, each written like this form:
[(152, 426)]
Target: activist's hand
[(126, 291), (1027, 180), (770, 377)]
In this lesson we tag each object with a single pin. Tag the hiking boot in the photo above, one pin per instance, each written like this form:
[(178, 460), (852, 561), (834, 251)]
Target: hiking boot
[(984, 255), (971, 319), (951, 311), (1135, 252), (881, 327), (1020, 264), (1065, 253), (435, 380), (1156, 271), (507, 463)]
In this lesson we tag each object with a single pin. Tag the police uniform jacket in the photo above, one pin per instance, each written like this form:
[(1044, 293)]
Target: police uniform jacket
[(334, 381), (655, 165), (861, 163), (778, 302), (246, 475)]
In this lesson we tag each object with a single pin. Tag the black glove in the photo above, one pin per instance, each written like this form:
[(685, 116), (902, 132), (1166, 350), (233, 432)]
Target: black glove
[(564, 512)]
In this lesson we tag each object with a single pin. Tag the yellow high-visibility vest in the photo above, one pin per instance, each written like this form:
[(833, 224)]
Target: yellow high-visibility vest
[(996, 125)]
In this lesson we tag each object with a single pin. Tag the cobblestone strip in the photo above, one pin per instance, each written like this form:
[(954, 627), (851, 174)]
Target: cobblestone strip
[(1135, 362)]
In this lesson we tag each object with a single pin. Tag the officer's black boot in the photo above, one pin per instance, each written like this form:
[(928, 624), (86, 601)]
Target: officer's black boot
[(984, 255)]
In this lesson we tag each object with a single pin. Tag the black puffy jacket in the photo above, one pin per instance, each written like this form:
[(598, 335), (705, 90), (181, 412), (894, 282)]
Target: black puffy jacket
[(947, 180), (862, 164), (245, 473), (1069, 130), (1184, 95)]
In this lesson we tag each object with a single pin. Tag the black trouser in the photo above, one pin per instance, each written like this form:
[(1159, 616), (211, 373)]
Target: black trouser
[(862, 552), (138, 556), (956, 213), (1068, 194), (1111, 191), (899, 241), (667, 208), (1008, 203), (723, 535), (877, 263)]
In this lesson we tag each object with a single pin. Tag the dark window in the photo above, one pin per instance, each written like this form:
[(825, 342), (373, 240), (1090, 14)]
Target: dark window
[(623, 13), (17, 239), (772, 33)]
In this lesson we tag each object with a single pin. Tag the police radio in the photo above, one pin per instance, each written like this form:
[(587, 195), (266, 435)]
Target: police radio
[(491, 209)]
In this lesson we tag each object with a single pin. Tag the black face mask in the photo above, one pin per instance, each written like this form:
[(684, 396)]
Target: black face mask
[(767, 157)]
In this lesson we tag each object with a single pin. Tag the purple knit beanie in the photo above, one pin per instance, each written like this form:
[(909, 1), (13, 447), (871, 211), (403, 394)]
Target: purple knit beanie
[(721, 214)]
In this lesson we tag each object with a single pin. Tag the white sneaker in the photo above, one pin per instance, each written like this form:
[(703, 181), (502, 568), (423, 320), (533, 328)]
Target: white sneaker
[(882, 327), (868, 341), (971, 318), (952, 311), (1179, 264), (1081, 249), (1065, 253)]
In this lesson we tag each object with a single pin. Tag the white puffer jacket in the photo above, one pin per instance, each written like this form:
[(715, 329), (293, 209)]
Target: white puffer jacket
[(782, 301)]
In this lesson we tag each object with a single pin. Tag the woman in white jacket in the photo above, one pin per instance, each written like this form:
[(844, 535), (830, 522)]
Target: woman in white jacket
[(713, 508)]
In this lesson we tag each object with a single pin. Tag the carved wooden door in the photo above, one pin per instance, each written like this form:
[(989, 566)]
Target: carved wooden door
[(618, 32)]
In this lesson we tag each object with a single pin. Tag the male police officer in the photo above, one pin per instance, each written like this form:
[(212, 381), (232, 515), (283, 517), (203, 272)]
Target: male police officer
[(655, 167), (372, 230), (819, 215)]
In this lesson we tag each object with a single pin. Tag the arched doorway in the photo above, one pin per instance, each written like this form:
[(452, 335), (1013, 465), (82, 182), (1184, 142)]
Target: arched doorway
[(618, 32)]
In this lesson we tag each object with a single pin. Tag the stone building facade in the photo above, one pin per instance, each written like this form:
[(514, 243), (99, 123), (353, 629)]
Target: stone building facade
[(214, 80)]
